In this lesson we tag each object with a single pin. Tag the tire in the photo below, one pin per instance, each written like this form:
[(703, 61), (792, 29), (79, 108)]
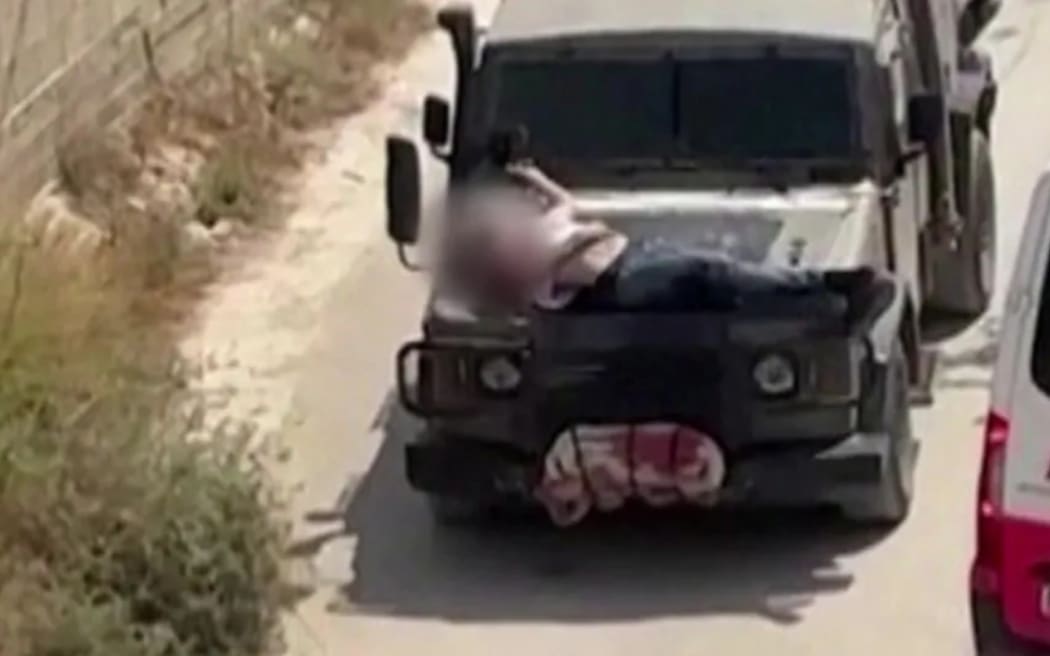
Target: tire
[(986, 110), (990, 642), (964, 279), (455, 511), (993, 638), (890, 503)]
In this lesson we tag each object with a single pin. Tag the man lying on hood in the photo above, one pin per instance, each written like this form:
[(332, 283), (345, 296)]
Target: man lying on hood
[(521, 243)]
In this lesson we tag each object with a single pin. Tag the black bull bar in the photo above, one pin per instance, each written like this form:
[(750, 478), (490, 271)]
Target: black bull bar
[(695, 369)]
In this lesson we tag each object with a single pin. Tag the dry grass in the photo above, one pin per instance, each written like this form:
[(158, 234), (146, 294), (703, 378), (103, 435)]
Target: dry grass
[(317, 60), (228, 186), (231, 135), (121, 536), (121, 532)]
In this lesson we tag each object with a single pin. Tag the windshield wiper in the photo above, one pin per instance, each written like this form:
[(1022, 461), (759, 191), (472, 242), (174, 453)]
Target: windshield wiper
[(774, 178), (772, 175), (626, 167)]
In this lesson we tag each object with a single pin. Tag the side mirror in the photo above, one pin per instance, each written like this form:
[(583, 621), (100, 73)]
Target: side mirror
[(926, 118), (975, 17), (437, 121), (403, 191), (458, 20)]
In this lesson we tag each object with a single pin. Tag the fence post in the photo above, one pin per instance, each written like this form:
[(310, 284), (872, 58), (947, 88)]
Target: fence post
[(8, 84)]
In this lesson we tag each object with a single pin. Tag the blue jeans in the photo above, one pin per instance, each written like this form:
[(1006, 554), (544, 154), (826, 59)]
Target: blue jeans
[(658, 275)]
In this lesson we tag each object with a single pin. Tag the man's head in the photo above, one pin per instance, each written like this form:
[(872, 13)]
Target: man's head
[(497, 231)]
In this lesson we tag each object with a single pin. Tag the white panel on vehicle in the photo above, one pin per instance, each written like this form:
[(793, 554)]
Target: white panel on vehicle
[(1021, 391)]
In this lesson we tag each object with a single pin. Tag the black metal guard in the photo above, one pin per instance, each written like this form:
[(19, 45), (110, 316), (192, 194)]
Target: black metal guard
[(452, 371)]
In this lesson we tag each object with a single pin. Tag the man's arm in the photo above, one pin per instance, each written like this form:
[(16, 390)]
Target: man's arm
[(538, 180)]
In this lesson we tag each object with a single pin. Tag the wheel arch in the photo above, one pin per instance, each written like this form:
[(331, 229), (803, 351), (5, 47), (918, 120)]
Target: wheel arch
[(911, 339), (898, 321)]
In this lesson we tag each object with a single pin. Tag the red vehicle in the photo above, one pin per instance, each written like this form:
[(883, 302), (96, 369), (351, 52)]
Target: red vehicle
[(1010, 579)]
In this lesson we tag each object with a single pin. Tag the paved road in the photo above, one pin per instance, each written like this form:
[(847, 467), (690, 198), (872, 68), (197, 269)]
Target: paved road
[(394, 585)]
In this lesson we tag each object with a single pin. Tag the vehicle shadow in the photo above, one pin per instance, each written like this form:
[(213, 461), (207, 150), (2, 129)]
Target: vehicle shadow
[(620, 568)]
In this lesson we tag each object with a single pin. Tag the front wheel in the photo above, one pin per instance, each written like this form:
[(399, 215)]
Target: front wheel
[(890, 503), (991, 635)]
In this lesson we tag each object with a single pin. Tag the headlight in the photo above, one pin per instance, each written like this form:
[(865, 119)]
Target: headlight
[(500, 374), (775, 375)]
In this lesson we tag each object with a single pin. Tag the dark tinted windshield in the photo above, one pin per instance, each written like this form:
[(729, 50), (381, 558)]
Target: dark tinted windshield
[(589, 109), (709, 109), (783, 108)]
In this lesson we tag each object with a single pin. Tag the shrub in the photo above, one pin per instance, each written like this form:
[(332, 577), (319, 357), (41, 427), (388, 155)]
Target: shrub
[(123, 530), (121, 533)]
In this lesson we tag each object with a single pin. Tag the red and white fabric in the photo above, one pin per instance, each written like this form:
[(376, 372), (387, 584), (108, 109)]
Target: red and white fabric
[(602, 467)]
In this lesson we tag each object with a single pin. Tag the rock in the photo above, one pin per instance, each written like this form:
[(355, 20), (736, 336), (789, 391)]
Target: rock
[(138, 204), (196, 240), (224, 229), (307, 26)]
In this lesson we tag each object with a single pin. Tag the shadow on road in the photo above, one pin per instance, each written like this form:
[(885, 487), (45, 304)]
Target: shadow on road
[(620, 568)]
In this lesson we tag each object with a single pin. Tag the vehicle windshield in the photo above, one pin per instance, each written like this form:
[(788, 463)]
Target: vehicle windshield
[(730, 110), (591, 109)]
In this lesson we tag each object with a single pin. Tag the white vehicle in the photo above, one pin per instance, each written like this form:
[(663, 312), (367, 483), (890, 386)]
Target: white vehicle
[(888, 166), (1010, 578)]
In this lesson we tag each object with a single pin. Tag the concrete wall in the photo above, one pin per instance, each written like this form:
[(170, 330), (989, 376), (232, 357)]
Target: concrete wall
[(67, 65)]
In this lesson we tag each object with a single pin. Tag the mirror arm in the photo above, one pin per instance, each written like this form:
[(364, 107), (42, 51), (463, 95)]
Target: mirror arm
[(441, 153), (912, 153), (406, 261), (906, 157)]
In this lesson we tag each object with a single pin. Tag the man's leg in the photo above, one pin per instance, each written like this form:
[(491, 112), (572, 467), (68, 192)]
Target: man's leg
[(745, 278), (658, 274), (866, 293)]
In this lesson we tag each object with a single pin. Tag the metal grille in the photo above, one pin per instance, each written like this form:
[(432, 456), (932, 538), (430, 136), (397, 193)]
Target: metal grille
[(631, 386)]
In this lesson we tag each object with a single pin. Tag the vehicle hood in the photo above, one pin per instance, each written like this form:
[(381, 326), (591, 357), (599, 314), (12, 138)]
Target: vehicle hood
[(818, 227)]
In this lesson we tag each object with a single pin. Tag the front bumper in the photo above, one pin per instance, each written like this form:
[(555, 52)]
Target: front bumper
[(795, 475), (693, 370)]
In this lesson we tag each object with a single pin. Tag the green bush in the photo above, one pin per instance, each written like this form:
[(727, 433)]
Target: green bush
[(123, 531)]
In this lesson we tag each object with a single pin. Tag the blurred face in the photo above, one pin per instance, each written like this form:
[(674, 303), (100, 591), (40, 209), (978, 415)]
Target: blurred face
[(506, 230)]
